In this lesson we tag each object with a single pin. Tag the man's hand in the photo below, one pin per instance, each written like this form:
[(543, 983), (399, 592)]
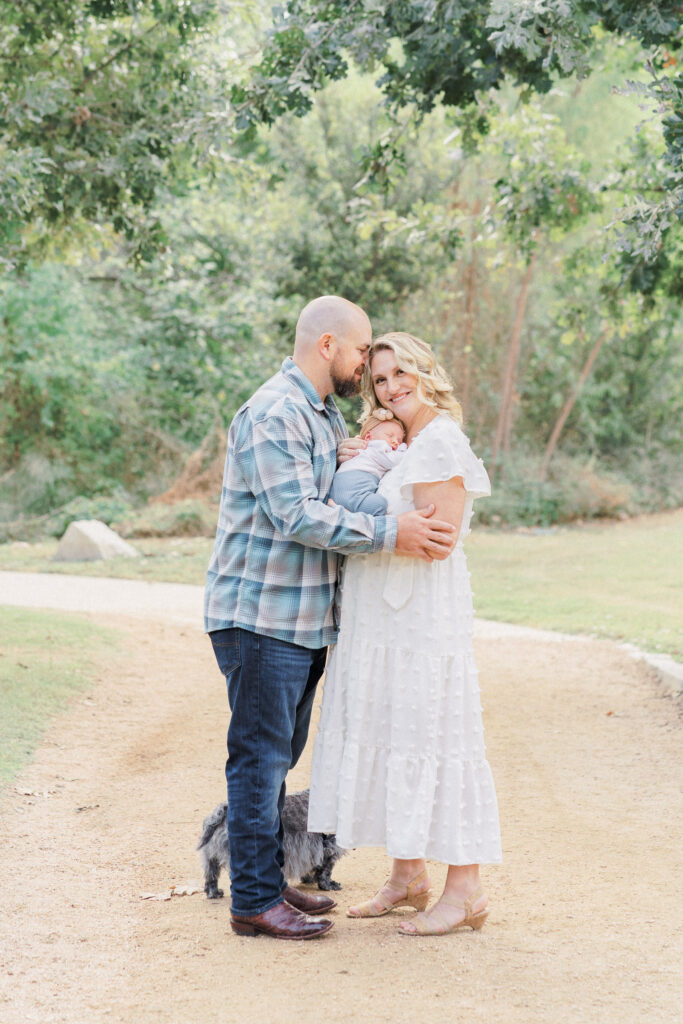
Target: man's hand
[(349, 447), (420, 536)]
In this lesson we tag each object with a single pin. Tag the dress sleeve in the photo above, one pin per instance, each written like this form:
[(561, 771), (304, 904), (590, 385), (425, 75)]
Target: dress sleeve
[(440, 452)]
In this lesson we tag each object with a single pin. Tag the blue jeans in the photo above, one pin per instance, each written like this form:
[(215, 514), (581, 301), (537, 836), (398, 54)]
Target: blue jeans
[(271, 686)]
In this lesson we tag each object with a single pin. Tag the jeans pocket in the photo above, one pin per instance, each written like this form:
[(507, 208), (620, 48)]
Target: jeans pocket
[(226, 647)]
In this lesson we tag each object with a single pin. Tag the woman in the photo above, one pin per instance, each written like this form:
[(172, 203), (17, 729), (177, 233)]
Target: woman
[(399, 759)]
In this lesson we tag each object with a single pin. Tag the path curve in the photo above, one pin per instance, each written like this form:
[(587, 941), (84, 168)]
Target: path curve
[(584, 925), (101, 595), (180, 603)]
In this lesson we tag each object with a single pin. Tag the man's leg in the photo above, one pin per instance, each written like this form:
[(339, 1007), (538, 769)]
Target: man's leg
[(270, 689), (303, 711), (300, 735)]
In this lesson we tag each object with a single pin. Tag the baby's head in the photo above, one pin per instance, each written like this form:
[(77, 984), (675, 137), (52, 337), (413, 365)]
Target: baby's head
[(386, 429)]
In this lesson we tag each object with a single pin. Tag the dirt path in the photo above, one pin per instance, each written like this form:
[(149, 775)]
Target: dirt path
[(584, 925)]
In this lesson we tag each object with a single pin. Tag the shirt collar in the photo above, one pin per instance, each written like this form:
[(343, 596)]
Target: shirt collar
[(291, 370)]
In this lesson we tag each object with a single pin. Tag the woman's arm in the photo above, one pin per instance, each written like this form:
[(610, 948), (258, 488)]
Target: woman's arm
[(447, 495)]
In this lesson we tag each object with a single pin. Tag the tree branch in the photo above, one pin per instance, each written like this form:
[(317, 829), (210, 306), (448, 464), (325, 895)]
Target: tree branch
[(569, 405), (89, 75)]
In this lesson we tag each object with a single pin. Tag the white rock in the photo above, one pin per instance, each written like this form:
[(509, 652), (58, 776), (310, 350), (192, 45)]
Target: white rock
[(89, 540)]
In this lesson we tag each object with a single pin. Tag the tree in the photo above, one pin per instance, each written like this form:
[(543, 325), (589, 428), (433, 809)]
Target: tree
[(453, 53), (604, 371), (94, 95), (339, 231), (61, 397), (544, 188)]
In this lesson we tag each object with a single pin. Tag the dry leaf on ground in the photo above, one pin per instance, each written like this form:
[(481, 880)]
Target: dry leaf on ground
[(175, 890)]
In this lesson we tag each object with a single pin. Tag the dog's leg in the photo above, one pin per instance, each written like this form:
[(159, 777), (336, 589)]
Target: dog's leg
[(323, 872), (213, 870)]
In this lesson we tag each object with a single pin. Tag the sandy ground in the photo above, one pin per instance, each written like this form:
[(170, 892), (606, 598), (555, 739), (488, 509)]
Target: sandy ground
[(585, 922)]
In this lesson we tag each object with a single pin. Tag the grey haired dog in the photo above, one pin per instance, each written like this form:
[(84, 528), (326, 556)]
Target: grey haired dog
[(309, 856)]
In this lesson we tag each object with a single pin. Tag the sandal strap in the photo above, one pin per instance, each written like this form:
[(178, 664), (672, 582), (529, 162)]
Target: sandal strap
[(467, 904), (414, 881), (382, 897), (378, 904), (431, 922), (381, 901), (471, 900)]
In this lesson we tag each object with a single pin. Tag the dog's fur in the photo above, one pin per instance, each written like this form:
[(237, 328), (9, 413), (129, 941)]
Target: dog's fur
[(309, 856)]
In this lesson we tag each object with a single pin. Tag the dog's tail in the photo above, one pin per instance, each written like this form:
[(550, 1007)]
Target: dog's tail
[(215, 820)]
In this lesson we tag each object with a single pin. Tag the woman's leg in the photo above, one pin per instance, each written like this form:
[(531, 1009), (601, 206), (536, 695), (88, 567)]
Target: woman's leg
[(462, 881), (408, 885), (463, 885), (404, 871)]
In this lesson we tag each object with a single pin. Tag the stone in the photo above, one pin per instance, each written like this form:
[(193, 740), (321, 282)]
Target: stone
[(89, 540)]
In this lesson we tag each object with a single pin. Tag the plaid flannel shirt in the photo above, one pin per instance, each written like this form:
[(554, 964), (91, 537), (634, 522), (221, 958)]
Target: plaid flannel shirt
[(274, 564)]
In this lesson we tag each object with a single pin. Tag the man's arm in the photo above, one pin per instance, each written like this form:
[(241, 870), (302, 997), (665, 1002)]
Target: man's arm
[(276, 463), (419, 535)]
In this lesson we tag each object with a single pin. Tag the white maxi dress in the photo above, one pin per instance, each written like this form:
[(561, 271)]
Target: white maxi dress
[(399, 758)]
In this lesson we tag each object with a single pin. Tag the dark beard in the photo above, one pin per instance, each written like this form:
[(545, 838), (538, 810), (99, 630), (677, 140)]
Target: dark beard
[(345, 387)]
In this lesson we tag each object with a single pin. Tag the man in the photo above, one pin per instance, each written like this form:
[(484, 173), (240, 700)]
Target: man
[(270, 591)]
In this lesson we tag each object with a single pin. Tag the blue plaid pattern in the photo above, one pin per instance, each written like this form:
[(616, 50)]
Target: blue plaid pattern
[(274, 564)]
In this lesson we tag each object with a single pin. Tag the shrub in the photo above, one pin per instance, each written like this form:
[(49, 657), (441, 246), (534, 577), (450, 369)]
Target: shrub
[(574, 490), (184, 519), (35, 486), (108, 509), (656, 477)]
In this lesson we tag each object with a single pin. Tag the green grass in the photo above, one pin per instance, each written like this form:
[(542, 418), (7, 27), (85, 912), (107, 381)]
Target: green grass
[(614, 579), (169, 560), (46, 658), (619, 580)]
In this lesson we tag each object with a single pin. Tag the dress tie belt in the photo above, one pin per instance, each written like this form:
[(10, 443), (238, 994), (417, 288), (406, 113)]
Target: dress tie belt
[(398, 584)]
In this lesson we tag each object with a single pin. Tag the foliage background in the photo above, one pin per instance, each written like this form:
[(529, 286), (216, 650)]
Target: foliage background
[(179, 178)]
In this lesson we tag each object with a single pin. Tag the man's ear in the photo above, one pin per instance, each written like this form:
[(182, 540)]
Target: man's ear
[(326, 345)]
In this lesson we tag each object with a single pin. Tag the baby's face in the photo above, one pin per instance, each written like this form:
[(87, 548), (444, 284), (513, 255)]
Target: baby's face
[(390, 431)]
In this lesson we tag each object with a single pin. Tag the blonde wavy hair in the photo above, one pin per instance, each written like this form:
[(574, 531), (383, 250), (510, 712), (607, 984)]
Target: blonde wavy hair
[(413, 356)]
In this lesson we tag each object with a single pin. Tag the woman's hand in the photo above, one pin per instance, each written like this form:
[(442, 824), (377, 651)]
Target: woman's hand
[(349, 447)]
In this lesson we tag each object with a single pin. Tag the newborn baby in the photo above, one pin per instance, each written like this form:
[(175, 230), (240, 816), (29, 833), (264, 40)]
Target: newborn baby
[(356, 481)]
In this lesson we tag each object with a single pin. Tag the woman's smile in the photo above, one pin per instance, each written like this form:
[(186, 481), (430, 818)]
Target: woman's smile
[(399, 397)]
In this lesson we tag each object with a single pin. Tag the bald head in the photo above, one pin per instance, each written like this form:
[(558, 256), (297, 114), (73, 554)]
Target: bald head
[(328, 314), (331, 344)]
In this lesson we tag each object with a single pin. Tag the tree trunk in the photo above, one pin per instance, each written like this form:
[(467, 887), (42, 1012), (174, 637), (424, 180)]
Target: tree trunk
[(470, 291), (504, 426), (569, 405)]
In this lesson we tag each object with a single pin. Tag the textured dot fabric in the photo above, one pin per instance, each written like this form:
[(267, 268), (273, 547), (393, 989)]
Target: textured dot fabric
[(399, 758)]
